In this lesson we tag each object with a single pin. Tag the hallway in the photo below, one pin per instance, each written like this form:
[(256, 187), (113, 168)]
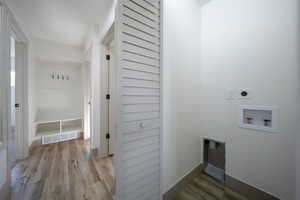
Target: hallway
[(63, 171)]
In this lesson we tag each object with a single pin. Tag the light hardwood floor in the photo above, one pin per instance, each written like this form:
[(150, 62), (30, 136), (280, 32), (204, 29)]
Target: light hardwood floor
[(63, 171)]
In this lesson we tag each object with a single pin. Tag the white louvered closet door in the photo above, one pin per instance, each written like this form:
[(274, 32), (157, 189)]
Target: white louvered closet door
[(139, 133)]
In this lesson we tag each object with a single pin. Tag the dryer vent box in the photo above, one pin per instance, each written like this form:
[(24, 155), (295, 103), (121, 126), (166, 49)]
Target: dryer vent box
[(214, 159)]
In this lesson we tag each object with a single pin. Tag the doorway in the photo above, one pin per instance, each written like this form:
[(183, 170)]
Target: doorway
[(17, 136), (111, 103), (109, 84)]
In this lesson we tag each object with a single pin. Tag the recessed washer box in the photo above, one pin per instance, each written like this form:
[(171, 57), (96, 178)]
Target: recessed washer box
[(262, 118)]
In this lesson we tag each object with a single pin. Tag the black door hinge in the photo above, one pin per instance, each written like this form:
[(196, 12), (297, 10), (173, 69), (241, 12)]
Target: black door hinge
[(108, 136), (108, 96), (107, 57)]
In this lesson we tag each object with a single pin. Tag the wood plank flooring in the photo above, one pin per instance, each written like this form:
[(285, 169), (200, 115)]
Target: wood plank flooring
[(202, 187), (63, 171)]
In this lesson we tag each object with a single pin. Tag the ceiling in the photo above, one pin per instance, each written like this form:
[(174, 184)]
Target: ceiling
[(65, 21)]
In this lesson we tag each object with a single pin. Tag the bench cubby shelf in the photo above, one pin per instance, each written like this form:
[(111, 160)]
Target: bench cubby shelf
[(63, 128)]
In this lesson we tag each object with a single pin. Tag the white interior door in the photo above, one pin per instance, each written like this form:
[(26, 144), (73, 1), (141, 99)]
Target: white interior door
[(139, 118)]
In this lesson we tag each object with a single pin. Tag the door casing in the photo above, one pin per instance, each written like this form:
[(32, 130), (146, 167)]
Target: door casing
[(21, 90)]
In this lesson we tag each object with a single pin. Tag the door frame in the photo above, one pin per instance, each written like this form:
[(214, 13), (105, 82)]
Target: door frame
[(22, 44), (107, 121), (9, 23)]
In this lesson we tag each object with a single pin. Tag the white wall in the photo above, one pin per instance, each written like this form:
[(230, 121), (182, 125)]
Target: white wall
[(252, 44), (95, 94), (243, 44), (181, 90), (31, 92), (52, 51), (57, 94)]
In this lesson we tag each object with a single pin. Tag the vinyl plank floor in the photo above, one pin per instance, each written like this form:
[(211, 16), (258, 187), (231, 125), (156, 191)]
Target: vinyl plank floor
[(63, 171), (202, 187)]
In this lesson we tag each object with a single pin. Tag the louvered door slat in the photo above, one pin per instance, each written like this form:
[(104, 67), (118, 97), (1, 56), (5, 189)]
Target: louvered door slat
[(140, 58), (142, 11), (139, 83), (139, 160), (134, 14), (140, 75), (142, 51), (148, 6), (142, 42), (140, 108)]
